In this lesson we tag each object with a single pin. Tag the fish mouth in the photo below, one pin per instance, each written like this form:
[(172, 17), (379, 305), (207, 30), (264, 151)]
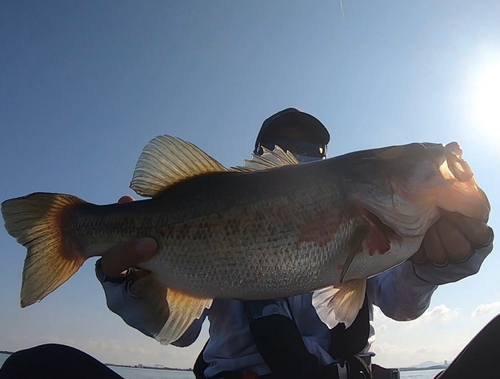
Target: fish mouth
[(454, 164)]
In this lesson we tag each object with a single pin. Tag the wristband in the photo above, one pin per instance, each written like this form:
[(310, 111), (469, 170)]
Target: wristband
[(102, 277)]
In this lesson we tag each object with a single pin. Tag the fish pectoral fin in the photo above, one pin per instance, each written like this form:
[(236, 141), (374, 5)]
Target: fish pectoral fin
[(268, 160), (354, 247), (340, 303), (167, 160), (183, 310)]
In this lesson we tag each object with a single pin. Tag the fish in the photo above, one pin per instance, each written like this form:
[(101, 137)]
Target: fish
[(271, 228)]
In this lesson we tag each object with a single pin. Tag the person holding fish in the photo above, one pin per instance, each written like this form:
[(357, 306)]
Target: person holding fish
[(297, 336), (447, 254)]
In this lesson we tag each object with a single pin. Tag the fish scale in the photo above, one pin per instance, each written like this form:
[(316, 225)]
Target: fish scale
[(270, 229), (250, 224)]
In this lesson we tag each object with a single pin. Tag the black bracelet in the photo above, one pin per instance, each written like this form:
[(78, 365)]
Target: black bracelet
[(102, 277)]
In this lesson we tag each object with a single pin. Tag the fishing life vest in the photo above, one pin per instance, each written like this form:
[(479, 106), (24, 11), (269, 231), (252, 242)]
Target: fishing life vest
[(280, 344)]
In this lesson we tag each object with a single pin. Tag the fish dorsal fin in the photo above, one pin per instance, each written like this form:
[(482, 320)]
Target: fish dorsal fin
[(167, 160), (268, 160), (340, 303)]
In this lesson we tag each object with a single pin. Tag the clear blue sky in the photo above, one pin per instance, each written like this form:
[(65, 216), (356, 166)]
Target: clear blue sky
[(85, 85)]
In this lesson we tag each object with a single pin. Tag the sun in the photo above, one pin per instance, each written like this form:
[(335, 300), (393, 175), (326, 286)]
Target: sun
[(486, 99)]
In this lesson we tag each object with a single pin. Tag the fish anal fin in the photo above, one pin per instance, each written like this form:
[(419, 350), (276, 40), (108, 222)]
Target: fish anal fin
[(183, 310), (340, 303), (167, 160)]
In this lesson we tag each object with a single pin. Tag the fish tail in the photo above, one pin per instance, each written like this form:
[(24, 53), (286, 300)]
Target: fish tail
[(37, 221)]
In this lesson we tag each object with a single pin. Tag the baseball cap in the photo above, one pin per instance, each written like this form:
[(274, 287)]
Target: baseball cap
[(292, 127)]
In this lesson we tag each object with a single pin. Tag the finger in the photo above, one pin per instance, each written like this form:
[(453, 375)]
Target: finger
[(120, 257), (153, 296), (148, 287), (475, 231), (434, 249), (455, 245), (139, 287), (126, 199), (419, 257)]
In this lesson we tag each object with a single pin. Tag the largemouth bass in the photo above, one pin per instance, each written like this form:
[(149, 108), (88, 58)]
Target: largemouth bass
[(269, 229)]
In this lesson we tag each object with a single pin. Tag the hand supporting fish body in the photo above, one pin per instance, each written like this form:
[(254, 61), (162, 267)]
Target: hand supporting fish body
[(270, 229)]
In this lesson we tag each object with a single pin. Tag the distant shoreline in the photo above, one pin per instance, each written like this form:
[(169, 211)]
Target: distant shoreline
[(127, 366), (437, 367), (149, 367)]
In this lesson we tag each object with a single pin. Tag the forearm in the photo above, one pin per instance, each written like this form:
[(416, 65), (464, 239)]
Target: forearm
[(400, 293), (404, 292)]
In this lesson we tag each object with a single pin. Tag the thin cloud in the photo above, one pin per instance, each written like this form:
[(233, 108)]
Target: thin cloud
[(380, 321), (437, 314), (486, 308), (381, 328), (379, 316), (440, 313)]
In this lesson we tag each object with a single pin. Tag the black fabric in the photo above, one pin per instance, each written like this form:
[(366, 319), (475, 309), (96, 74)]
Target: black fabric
[(282, 348), (280, 344), (348, 342), (480, 358), (54, 361), (200, 365), (358, 369), (380, 372)]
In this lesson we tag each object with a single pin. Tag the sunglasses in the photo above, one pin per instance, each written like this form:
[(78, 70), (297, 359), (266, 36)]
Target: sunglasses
[(298, 147)]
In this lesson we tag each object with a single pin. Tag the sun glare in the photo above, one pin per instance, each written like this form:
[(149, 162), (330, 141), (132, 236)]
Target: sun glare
[(487, 99)]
